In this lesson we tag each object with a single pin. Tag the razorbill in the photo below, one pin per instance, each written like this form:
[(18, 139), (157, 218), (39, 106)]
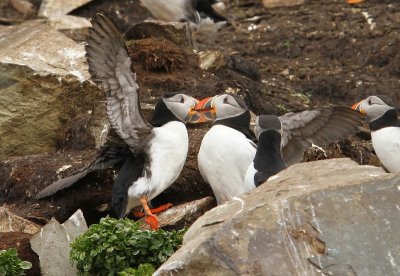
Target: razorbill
[(153, 154), (384, 124), (228, 150)]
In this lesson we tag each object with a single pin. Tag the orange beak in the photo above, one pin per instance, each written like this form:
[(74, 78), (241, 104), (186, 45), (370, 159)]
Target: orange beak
[(206, 108), (194, 116), (357, 107)]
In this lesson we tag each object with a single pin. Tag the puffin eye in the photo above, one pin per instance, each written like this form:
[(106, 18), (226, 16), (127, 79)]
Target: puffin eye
[(182, 99), (225, 100)]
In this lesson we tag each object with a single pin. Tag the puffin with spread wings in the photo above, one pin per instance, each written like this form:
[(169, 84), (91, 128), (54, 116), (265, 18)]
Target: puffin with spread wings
[(152, 154), (231, 162)]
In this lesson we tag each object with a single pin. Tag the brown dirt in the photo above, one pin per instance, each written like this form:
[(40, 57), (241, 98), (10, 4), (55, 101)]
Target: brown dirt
[(20, 241)]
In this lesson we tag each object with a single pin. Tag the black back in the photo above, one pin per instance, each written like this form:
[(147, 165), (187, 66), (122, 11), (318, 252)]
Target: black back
[(268, 160), (129, 173)]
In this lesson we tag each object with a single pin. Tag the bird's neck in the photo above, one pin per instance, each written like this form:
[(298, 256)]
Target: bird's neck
[(240, 123), (162, 115), (388, 119), (268, 159)]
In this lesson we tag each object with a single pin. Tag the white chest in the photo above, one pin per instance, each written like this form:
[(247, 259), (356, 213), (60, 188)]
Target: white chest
[(224, 157), (167, 155), (386, 143)]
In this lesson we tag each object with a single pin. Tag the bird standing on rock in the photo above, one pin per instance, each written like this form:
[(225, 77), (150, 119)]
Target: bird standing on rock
[(153, 154), (233, 164), (385, 130)]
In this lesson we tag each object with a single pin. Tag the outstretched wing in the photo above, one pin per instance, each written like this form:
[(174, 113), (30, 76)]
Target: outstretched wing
[(318, 126), (108, 157), (110, 67)]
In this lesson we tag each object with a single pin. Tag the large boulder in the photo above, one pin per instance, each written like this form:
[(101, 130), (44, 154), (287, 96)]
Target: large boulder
[(330, 217), (44, 85)]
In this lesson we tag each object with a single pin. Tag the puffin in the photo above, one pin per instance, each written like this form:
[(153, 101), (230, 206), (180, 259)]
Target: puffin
[(151, 155), (232, 162), (384, 124), (183, 10)]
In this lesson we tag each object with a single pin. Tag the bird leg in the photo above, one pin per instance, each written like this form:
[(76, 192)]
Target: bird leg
[(150, 219), (157, 210)]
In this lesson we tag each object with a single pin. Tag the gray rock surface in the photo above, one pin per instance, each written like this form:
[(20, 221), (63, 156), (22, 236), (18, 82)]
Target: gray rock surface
[(10, 222), (52, 244), (54, 8), (331, 217), (44, 84)]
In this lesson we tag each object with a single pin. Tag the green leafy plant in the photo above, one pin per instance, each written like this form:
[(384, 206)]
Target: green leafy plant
[(11, 265), (114, 245), (142, 270)]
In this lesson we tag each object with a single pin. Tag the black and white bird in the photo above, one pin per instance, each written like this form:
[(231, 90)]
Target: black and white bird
[(384, 124), (153, 154), (227, 149), (268, 159), (183, 10), (230, 161)]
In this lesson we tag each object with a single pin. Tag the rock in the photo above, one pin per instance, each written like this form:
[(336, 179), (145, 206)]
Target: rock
[(176, 32), (44, 84), (10, 222), (23, 6), (216, 60), (54, 8), (282, 3), (329, 217), (211, 60), (52, 244), (74, 27), (183, 215)]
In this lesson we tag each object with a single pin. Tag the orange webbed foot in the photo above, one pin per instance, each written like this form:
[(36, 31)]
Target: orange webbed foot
[(354, 1), (157, 210), (161, 208), (152, 221)]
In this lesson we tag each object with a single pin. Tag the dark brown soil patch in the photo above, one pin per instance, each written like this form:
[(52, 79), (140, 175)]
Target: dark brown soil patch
[(20, 241)]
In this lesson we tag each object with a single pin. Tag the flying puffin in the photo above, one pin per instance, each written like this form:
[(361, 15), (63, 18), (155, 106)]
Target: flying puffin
[(153, 154), (183, 10), (231, 162), (385, 130)]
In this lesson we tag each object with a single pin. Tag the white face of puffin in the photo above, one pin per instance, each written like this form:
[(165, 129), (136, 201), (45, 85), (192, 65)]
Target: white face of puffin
[(373, 107), (221, 107), (183, 107)]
